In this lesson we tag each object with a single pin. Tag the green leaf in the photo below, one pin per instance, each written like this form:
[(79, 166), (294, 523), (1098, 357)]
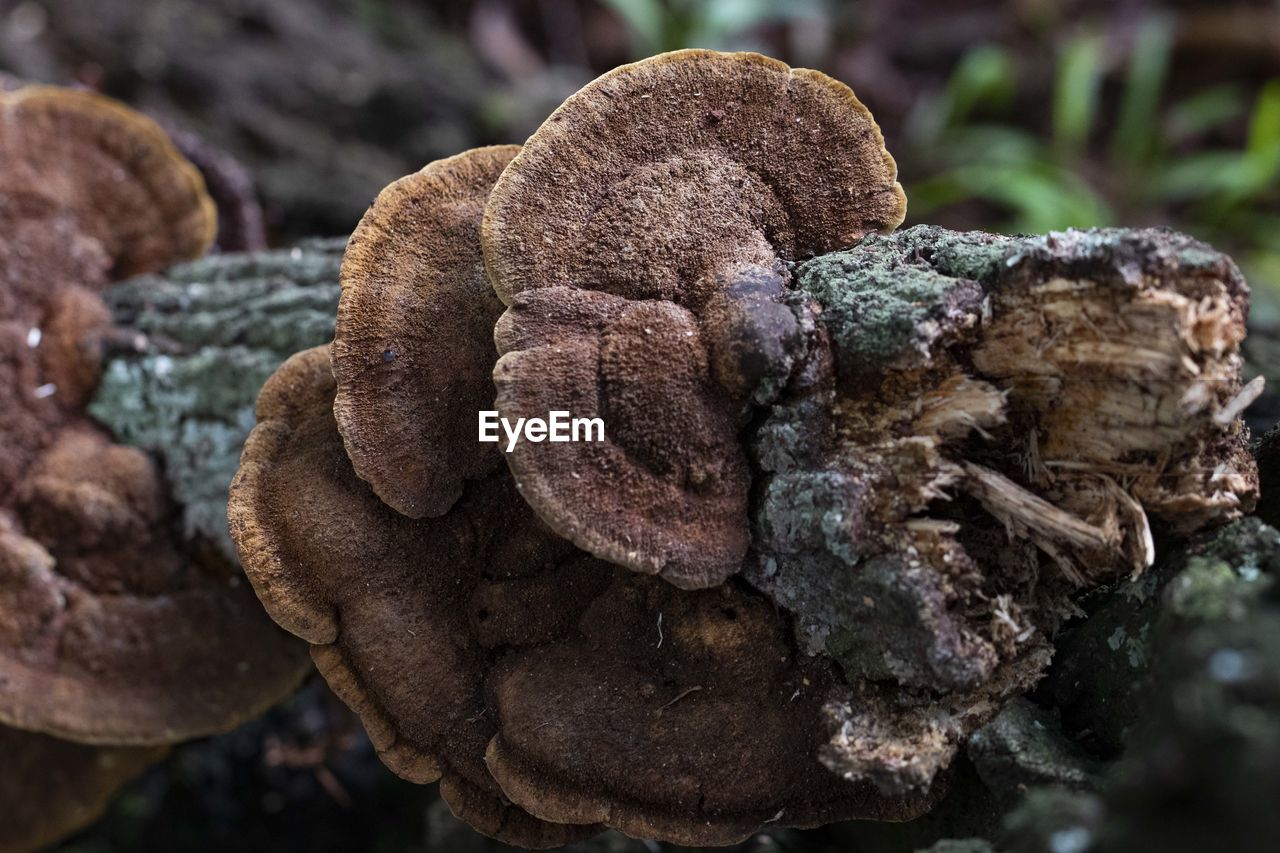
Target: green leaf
[(1264, 125), (1075, 97), (1041, 197), (1195, 177), (1203, 112), (985, 75), (994, 144), (1135, 134), (728, 17)]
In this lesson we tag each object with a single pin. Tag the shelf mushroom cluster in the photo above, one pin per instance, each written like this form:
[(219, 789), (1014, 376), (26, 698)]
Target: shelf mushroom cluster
[(117, 636), (849, 484)]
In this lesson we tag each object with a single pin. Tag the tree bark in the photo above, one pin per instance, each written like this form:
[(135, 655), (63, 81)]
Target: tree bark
[(197, 343)]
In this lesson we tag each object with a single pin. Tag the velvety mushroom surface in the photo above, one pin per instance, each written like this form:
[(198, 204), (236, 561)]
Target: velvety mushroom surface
[(688, 716), (600, 697), (413, 350), (639, 235), (113, 169), (462, 638), (403, 615), (113, 629), (921, 446), (51, 788)]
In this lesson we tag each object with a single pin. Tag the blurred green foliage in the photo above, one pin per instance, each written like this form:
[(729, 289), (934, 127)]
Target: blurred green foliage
[(1137, 158), (661, 25)]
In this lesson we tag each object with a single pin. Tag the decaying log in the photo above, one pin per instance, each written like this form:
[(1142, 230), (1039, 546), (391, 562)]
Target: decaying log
[(1006, 420), (1012, 420)]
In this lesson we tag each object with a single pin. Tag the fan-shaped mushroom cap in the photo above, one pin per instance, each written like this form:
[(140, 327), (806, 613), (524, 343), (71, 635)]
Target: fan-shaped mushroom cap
[(600, 696), (404, 616), (114, 169), (51, 788), (658, 175), (684, 716), (664, 186), (109, 633), (112, 630), (413, 350), (90, 191), (640, 498)]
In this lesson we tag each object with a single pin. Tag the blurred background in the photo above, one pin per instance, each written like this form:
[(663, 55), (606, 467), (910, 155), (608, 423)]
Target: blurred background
[(1019, 116)]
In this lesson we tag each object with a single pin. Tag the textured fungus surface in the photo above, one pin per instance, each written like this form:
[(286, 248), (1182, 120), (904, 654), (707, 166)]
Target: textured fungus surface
[(413, 350), (687, 716), (50, 788), (913, 453), (481, 631), (112, 629), (115, 170), (397, 610), (454, 636), (637, 239)]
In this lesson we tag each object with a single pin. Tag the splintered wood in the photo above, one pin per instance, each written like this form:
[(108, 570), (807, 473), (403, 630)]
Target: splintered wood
[(1016, 421), (1076, 413)]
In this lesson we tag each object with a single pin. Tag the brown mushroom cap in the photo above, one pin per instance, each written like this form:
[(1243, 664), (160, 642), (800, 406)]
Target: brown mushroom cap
[(109, 632), (684, 716), (112, 629), (664, 187), (404, 616), (657, 175), (113, 168), (477, 646), (639, 499), (90, 191), (51, 788), (413, 351)]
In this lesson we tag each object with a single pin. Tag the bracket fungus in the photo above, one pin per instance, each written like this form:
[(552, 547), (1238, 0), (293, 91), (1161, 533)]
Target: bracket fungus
[(395, 608), (51, 788), (637, 239), (482, 650), (851, 483), (113, 629), (464, 639), (411, 353)]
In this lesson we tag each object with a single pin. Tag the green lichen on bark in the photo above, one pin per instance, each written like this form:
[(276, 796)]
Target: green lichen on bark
[(203, 337), (894, 296), (907, 313), (881, 310)]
